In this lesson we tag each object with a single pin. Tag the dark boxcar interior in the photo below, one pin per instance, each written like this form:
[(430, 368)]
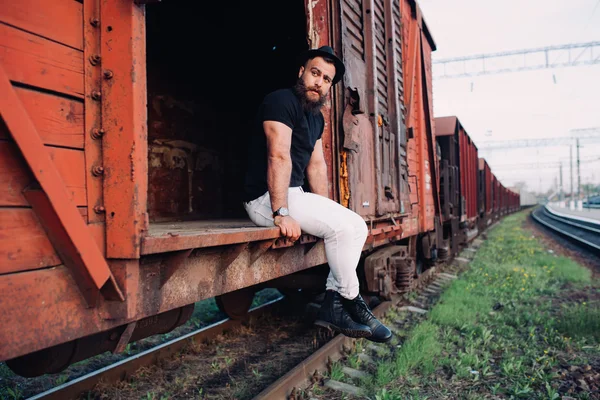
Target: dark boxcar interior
[(209, 65)]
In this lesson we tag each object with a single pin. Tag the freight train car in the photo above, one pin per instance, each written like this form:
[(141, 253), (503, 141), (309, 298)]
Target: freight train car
[(459, 176), (486, 190), (122, 145)]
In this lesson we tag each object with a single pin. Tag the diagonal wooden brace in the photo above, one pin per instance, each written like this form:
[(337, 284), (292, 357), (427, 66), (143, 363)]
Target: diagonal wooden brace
[(66, 229)]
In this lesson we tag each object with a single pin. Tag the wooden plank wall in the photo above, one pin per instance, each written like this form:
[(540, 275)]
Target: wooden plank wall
[(41, 49)]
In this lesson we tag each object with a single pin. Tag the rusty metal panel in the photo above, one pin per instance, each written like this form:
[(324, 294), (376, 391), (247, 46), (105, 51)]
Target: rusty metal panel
[(469, 172), (318, 15), (375, 152), (449, 191), (399, 118), (419, 124), (357, 167), (381, 101), (124, 121), (487, 178)]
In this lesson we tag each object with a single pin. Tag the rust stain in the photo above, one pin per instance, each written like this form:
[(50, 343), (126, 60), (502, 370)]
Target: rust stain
[(344, 185)]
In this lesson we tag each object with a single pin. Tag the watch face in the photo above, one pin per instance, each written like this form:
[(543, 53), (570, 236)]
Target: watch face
[(283, 211)]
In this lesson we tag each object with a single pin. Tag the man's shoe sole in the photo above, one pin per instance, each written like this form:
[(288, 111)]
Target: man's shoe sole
[(372, 339), (353, 333)]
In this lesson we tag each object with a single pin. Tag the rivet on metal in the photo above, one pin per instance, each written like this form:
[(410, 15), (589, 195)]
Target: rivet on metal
[(97, 133), (108, 74), (95, 22), (95, 59), (97, 170), (99, 209), (96, 95)]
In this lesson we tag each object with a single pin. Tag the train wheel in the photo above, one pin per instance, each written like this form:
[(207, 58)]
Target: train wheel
[(235, 304), (419, 267)]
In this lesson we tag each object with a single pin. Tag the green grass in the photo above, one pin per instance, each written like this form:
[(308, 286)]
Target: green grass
[(420, 350), (580, 320), (504, 328)]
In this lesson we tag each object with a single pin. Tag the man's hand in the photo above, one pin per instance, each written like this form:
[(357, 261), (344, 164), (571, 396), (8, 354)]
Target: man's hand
[(289, 227)]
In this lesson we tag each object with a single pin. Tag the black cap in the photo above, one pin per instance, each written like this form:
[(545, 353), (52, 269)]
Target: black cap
[(325, 51)]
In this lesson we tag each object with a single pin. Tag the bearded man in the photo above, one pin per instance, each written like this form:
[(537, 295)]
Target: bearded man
[(285, 148)]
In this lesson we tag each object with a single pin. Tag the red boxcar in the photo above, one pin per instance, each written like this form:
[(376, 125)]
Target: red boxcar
[(486, 190), (468, 163), (122, 159)]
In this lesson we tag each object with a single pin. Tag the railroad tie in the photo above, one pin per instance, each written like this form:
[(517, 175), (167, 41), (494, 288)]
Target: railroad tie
[(413, 309), (343, 387), (449, 276), (461, 261), (396, 328), (468, 253), (477, 243), (376, 348), (418, 304), (440, 283), (428, 289), (354, 373), (366, 358)]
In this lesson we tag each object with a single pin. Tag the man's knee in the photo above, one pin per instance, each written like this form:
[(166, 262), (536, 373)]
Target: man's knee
[(361, 227), (355, 227)]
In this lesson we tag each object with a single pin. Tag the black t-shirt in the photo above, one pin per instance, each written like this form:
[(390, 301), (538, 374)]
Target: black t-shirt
[(282, 106)]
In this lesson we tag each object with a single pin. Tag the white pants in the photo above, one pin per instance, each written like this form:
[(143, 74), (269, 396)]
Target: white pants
[(343, 231)]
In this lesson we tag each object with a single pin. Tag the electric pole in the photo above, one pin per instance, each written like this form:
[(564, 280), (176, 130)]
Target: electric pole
[(571, 147), (578, 174), (560, 188)]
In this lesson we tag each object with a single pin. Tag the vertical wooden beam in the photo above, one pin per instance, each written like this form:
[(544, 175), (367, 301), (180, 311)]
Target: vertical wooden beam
[(124, 120), (92, 137)]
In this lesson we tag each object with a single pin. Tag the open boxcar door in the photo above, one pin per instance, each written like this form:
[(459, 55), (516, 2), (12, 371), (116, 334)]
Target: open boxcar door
[(373, 165)]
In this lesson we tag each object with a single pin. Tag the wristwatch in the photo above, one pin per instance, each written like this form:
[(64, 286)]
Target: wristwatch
[(282, 211)]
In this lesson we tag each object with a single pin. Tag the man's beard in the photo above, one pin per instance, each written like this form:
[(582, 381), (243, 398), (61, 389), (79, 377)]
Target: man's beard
[(308, 105)]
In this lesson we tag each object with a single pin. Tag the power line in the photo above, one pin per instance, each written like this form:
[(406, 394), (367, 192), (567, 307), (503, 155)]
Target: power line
[(586, 134), (540, 165), (574, 54)]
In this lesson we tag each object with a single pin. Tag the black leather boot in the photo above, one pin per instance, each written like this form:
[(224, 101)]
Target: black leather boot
[(332, 315), (360, 312)]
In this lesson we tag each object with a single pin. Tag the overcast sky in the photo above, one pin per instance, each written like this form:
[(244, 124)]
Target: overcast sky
[(533, 104)]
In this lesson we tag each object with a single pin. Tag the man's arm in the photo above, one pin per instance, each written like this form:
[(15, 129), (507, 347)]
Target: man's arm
[(316, 171), (279, 170)]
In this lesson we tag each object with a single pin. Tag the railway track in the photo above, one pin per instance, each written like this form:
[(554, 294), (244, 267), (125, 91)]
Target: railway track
[(583, 233), (314, 369), (128, 366)]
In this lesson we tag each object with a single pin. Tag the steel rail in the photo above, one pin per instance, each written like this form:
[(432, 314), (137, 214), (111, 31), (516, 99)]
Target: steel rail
[(301, 373), (574, 220), (562, 232), (122, 369), (569, 221)]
